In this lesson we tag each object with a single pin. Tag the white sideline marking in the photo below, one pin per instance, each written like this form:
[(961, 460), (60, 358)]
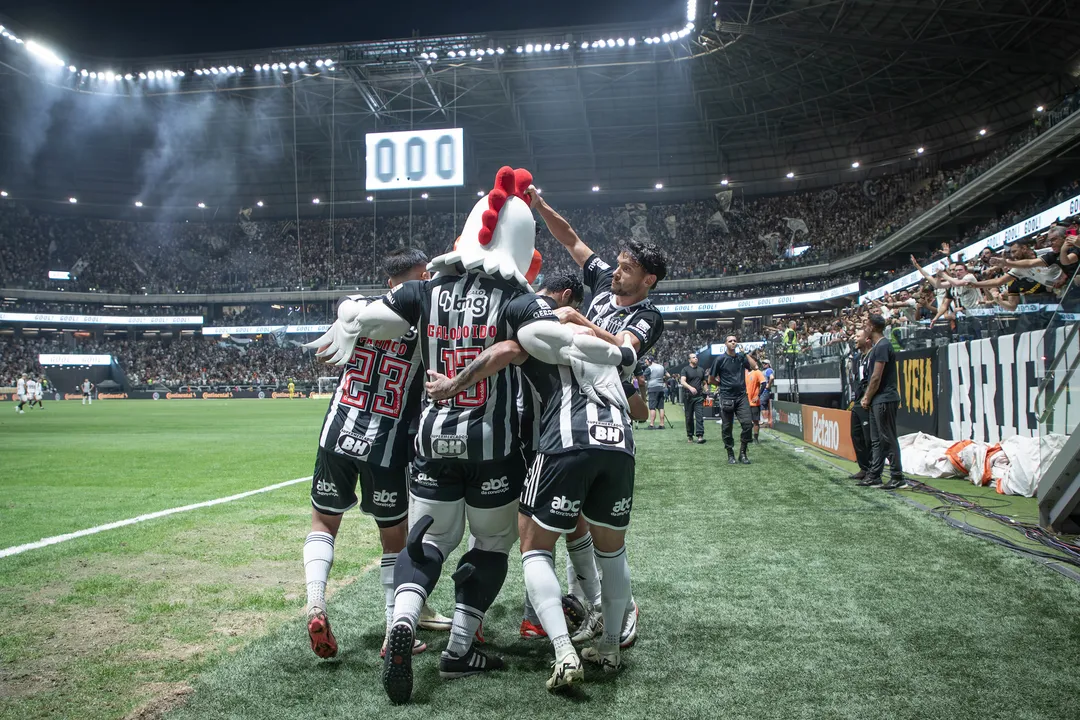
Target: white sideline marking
[(45, 542)]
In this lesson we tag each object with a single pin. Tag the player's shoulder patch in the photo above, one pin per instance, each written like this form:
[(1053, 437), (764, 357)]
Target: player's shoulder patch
[(596, 263)]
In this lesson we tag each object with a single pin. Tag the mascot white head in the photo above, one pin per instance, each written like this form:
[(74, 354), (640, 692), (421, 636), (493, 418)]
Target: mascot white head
[(499, 235)]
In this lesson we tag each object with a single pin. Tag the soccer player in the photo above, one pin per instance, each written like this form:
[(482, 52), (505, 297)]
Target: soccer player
[(882, 399), (728, 373), (692, 378), (469, 463), (87, 388), (620, 312), (31, 391), (20, 392), (656, 376), (365, 436), (755, 380), (39, 393), (585, 468)]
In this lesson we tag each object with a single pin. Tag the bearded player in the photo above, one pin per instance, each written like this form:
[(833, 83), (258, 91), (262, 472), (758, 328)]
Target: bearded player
[(620, 312), (469, 463)]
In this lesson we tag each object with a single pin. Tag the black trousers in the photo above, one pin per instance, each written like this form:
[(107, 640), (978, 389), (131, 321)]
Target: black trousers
[(693, 407), (884, 440), (731, 408), (860, 436)]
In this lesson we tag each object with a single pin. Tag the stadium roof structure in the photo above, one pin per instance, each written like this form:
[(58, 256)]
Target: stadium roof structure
[(743, 91)]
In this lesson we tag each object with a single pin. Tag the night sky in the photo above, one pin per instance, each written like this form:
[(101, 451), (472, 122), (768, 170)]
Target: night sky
[(116, 29)]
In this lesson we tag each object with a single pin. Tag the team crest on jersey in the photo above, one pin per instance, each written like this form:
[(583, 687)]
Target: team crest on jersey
[(607, 433), (354, 445), (449, 445)]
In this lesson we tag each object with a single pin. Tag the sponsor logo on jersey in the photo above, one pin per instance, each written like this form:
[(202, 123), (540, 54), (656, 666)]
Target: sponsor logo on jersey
[(449, 445), (495, 486), (474, 301), (325, 487), (542, 311), (562, 505), (384, 498), (622, 507), (607, 433), (354, 445), (597, 264), (464, 332), (644, 326), (424, 479)]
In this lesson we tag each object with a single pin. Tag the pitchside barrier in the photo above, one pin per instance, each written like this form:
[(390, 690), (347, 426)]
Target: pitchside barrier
[(981, 390)]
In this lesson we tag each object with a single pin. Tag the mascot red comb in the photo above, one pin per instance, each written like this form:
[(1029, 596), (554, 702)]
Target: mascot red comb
[(499, 234)]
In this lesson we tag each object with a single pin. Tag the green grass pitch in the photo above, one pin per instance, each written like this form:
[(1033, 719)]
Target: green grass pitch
[(778, 590)]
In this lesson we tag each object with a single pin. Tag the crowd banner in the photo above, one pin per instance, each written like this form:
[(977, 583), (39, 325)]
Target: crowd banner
[(917, 381), (37, 318), (829, 430), (787, 417), (989, 387)]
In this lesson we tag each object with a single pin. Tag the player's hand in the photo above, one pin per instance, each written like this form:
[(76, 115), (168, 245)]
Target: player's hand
[(569, 316), (535, 201), (997, 262), (865, 404), (438, 386)]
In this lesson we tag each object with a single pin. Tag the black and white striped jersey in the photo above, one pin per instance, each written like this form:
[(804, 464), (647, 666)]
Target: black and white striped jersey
[(528, 404), (376, 401), (458, 317), (567, 419), (642, 319)]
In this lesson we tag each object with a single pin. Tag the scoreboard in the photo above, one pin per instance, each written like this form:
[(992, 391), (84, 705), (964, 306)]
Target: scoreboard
[(415, 159)]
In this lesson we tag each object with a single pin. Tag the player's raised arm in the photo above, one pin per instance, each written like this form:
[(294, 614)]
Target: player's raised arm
[(559, 228)]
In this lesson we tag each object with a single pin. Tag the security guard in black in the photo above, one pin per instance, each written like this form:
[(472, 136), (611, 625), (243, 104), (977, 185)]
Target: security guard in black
[(729, 373)]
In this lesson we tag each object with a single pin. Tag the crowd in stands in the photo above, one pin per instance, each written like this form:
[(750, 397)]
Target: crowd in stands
[(175, 362)]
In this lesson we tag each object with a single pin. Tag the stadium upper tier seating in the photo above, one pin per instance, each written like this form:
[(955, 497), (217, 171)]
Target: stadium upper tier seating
[(722, 236)]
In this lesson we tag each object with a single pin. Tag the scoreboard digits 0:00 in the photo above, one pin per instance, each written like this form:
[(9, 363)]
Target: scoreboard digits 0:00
[(415, 159)]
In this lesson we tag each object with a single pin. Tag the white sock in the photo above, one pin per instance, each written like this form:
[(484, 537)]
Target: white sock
[(615, 592), (386, 575), (584, 561), (528, 612), (462, 633), (318, 558), (409, 600), (543, 587)]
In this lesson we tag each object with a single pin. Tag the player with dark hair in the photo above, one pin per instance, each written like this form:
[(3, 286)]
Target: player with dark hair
[(367, 437), (620, 312)]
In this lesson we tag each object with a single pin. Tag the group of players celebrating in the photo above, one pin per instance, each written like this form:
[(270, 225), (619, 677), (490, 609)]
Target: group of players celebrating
[(465, 396), (29, 391)]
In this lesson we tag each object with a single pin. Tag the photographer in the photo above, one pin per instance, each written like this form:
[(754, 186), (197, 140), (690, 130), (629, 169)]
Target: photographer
[(693, 381)]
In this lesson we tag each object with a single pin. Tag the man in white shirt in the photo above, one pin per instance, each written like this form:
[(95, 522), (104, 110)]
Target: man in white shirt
[(1024, 264), (20, 393)]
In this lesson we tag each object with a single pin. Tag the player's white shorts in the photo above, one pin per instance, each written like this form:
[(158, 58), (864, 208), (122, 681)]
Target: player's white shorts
[(37, 396), (23, 398)]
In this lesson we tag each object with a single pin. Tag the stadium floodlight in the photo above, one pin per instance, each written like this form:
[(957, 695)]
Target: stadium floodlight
[(982, 132), (620, 42), (584, 45), (598, 44), (855, 164), (3, 193), (431, 56), (724, 182), (71, 68), (94, 75), (529, 48), (259, 203), (315, 201), (331, 62), (648, 41), (500, 50), (302, 64), (138, 203), (547, 47), (201, 206), (472, 52), (109, 76), (666, 37), (596, 188), (1039, 109), (371, 198), (691, 10), (424, 196), (659, 186), (198, 71), (239, 69), (921, 150), (181, 73), (519, 49), (292, 66), (611, 42), (479, 56), (451, 54), (631, 42), (214, 71), (479, 193), (129, 77), (231, 69), (73, 200), (44, 54), (160, 74), (491, 51), (790, 175)]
